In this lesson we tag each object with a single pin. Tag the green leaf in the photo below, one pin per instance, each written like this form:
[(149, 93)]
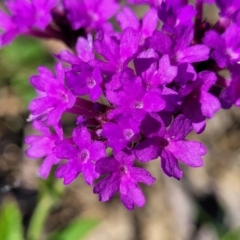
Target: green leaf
[(10, 222), (75, 230)]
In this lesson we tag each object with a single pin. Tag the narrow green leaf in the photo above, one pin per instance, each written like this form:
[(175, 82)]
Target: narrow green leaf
[(10, 222), (39, 217)]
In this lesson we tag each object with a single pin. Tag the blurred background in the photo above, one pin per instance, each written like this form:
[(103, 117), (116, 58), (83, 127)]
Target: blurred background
[(204, 205)]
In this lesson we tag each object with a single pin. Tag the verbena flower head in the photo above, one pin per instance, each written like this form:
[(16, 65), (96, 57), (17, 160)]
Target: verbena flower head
[(136, 91)]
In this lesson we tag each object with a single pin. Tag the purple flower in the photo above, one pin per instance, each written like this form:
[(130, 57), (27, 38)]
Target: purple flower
[(117, 56), (121, 133), (154, 73), (179, 47), (186, 73), (198, 103), (169, 144), (136, 100), (182, 49), (122, 176), (24, 16), (86, 82), (206, 1), (231, 94), (160, 42), (226, 47), (54, 98), (82, 154), (157, 74), (84, 50), (43, 145), (152, 3), (174, 13), (118, 80), (92, 14), (127, 18), (8, 28), (228, 8)]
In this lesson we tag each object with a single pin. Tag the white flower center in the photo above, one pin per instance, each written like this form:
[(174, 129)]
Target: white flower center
[(84, 155), (233, 55), (138, 104), (91, 82), (128, 133)]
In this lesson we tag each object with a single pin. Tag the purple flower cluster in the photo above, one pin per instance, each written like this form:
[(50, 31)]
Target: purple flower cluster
[(136, 92)]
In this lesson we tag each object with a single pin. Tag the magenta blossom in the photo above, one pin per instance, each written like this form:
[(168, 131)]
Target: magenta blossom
[(170, 145), (54, 98), (122, 176), (43, 145), (82, 154)]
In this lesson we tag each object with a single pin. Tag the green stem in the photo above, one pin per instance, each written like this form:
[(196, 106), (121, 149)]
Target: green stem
[(39, 217)]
